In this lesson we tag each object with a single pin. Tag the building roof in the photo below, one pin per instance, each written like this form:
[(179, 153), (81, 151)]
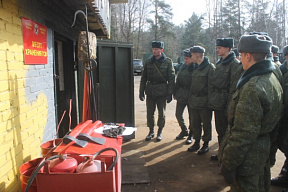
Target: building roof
[(98, 12)]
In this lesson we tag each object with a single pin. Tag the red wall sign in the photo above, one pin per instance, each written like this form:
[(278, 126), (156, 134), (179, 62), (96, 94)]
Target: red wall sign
[(35, 42)]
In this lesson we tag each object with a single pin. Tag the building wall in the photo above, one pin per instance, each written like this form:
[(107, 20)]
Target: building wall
[(27, 113)]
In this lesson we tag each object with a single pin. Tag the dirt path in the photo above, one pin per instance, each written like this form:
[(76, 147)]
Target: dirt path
[(170, 167)]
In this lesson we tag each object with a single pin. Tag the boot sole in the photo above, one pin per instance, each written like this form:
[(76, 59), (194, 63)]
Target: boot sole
[(149, 139), (192, 150), (202, 152)]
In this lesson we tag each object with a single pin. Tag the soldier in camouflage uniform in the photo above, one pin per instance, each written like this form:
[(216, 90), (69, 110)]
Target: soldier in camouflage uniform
[(200, 91), (226, 68), (282, 140), (181, 93), (274, 51), (157, 81), (254, 111)]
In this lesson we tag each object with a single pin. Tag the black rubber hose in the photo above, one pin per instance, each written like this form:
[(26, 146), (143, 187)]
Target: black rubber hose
[(108, 149), (33, 175)]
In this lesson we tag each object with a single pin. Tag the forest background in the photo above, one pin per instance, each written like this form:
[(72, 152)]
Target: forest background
[(142, 21)]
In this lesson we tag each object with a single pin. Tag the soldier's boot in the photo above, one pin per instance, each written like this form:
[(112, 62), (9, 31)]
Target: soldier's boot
[(195, 146), (215, 157), (150, 134), (282, 179), (189, 138), (204, 149), (183, 133), (159, 134)]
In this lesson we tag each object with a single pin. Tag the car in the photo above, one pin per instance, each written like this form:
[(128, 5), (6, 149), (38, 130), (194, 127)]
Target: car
[(138, 66)]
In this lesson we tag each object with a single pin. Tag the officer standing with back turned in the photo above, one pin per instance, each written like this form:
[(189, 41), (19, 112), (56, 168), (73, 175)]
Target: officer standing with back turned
[(254, 111), (157, 82)]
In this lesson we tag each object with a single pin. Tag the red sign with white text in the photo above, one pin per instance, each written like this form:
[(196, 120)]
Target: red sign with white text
[(35, 42)]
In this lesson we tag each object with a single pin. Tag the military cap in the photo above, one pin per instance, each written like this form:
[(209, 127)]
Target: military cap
[(274, 49), (225, 42), (187, 53), (158, 44), (236, 52), (197, 49), (255, 44), (285, 50)]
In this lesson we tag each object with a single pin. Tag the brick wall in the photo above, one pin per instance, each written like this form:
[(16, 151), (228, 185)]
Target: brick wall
[(27, 114)]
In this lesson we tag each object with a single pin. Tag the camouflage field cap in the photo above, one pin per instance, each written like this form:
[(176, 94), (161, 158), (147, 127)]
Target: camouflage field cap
[(274, 49), (225, 42), (255, 44), (158, 44), (187, 53), (197, 49), (285, 50)]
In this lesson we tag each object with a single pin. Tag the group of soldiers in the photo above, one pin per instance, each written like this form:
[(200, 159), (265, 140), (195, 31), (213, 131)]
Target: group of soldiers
[(249, 100)]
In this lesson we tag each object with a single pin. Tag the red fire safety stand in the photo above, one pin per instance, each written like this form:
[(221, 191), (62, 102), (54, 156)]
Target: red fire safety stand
[(104, 181)]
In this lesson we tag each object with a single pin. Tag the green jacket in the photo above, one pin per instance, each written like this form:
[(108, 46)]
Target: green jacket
[(200, 89), (152, 82), (283, 126), (221, 81), (183, 83), (276, 61), (254, 111)]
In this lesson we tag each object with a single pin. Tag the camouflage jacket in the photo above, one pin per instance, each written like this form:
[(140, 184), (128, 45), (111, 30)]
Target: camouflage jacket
[(221, 81), (283, 129), (276, 61), (253, 113), (200, 89), (284, 71), (152, 82), (183, 83)]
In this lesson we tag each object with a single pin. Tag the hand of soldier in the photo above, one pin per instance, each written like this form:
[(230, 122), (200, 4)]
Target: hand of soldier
[(141, 96), (169, 98), (229, 176)]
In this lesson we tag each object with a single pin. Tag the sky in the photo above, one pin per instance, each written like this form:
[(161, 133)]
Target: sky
[(183, 9)]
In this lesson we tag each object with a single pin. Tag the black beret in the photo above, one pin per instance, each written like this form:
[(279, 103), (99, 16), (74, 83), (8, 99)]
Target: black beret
[(236, 52), (255, 44), (274, 49), (187, 53), (158, 44), (285, 50), (197, 49), (225, 42)]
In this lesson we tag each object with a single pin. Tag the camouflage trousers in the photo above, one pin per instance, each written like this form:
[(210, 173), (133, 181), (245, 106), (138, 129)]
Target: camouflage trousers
[(221, 123), (180, 107), (151, 103), (199, 118)]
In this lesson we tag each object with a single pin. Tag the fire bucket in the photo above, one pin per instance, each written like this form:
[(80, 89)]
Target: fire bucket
[(46, 148), (25, 172)]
